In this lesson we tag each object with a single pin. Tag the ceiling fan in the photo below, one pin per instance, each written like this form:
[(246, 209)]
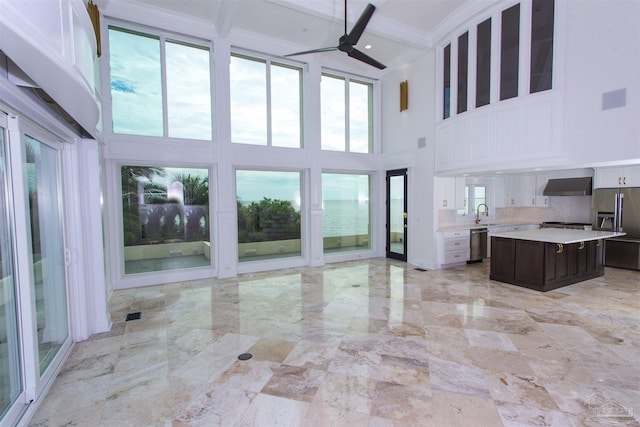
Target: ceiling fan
[(347, 41)]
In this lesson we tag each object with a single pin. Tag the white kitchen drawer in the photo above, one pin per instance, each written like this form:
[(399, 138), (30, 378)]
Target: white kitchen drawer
[(457, 256), (455, 234), (456, 244)]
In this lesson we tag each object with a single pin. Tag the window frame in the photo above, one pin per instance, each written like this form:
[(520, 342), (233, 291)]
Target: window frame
[(280, 62), (115, 223), (245, 265), (163, 36), (470, 198), (370, 177), (347, 78)]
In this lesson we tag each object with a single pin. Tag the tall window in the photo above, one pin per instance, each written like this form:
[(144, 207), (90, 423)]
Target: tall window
[(346, 212), (541, 45), (347, 114), (266, 102), (140, 104), (483, 63), (446, 89), (510, 52), (268, 208), (463, 71), (165, 218)]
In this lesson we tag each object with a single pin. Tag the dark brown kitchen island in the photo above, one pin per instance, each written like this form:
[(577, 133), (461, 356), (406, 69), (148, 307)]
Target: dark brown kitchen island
[(547, 259)]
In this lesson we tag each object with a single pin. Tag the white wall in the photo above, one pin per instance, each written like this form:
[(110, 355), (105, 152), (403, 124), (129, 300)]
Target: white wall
[(400, 134), (602, 55)]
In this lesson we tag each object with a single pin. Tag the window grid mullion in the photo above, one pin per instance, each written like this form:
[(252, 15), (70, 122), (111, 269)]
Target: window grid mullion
[(268, 106), (163, 78), (347, 119)]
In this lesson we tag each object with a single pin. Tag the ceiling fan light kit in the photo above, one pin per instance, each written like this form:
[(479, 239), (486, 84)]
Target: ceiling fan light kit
[(347, 41)]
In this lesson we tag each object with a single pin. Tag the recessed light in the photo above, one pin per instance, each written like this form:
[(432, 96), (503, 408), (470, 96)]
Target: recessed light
[(499, 172), (368, 46)]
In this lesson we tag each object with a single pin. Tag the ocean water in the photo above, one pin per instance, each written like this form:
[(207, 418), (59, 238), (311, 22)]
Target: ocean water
[(351, 217)]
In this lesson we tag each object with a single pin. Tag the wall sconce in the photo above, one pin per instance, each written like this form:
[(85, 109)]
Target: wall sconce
[(404, 95), (94, 15)]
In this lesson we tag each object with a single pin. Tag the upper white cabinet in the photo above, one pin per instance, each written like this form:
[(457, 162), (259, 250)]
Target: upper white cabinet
[(542, 201), (520, 191), (449, 193), (623, 176)]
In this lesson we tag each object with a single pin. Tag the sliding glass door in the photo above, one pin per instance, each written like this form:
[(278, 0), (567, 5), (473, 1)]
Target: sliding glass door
[(34, 324), (10, 374), (47, 249)]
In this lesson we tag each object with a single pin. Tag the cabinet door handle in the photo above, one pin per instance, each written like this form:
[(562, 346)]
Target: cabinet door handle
[(560, 248), (619, 180), (581, 246), (598, 243), (624, 180)]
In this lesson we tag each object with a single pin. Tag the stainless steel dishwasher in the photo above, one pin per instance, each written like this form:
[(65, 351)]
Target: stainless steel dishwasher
[(478, 242)]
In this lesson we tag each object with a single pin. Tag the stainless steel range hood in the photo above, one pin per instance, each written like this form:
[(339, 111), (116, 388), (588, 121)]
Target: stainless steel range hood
[(568, 187)]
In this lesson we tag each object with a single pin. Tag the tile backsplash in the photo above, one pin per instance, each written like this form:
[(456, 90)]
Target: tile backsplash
[(561, 208)]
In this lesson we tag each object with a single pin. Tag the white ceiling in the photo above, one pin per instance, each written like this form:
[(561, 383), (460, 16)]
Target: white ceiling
[(398, 32)]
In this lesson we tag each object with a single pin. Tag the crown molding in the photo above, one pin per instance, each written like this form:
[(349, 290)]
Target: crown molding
[(157, 17)]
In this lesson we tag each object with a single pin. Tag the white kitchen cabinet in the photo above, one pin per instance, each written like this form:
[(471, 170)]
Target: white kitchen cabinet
[(520, 191), (542, 201), (453, 247), (527, 190), (614, 177), (450, 192)]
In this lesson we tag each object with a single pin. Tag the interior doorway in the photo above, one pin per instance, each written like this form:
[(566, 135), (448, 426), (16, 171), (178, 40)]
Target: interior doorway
[(397, 214)]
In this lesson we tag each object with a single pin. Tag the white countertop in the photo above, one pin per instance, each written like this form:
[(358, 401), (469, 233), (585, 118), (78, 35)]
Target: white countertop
[(470, 226), (558, 235)]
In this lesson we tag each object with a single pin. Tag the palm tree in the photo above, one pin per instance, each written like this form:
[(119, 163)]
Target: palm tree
[(196, 188), (130, 176)]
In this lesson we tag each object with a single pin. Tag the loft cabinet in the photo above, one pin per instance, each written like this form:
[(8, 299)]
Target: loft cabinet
[(625, 176), (497, 106), (525, 132), (545, 266), (53, 43)]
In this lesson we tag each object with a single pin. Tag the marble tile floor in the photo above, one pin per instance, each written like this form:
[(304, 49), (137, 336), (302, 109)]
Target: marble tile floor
[(367, 343)]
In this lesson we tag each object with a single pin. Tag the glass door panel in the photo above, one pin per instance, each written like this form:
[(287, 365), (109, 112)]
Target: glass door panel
[(397, 214), (10, 378), (48, 266)]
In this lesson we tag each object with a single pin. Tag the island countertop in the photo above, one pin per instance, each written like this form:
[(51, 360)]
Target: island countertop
[(563, 236)]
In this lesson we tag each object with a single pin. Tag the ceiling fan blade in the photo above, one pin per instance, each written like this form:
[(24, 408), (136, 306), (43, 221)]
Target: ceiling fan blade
[(356, 54), (360, 25), (322, 49)]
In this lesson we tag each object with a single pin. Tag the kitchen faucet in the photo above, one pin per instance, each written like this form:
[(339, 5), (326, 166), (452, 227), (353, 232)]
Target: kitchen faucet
[(486, 212)]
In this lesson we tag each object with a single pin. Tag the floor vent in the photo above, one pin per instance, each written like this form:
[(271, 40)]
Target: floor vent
[(420, 269), (133, 316)]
